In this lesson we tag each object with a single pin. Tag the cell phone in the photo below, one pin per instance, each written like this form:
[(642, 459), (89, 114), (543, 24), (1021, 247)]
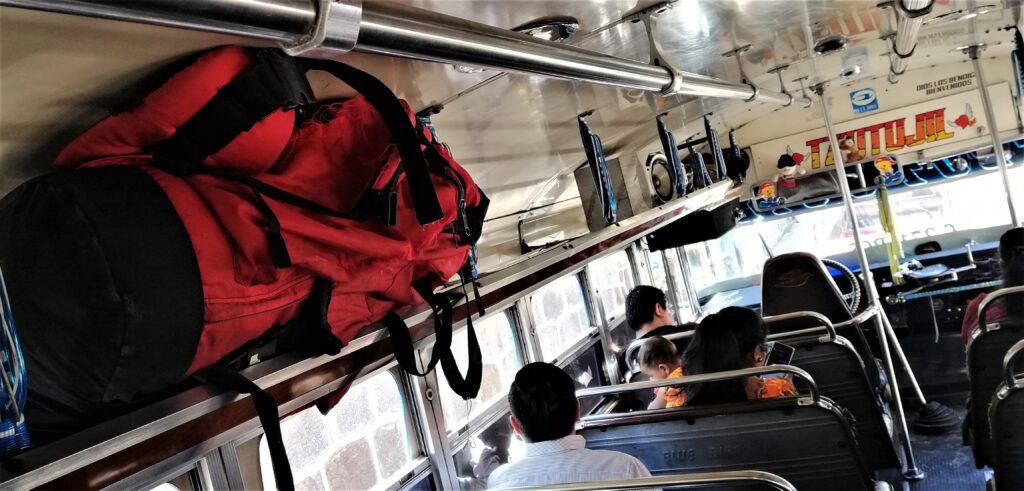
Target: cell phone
[(778, 354)]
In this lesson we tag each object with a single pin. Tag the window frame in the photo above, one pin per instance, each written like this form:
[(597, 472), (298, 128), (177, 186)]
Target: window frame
[(595, 292), (475, 423), (418, 464), (524, 306)]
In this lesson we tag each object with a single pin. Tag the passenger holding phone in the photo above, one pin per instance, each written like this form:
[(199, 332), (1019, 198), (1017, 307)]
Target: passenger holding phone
[(732, 339)]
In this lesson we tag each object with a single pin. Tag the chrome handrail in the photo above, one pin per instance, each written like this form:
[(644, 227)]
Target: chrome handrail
[(1011, 359), (684, 481), (983, 308), (861, 318), (826, 323), (702, 378), (830, 329)]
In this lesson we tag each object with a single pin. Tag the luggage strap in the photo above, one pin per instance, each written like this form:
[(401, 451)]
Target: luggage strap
[(274, 82), (405, 353), (266, 409), (309, 334)]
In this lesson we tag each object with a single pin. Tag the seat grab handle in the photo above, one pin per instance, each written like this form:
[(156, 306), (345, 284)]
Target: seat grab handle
[(704, 377)]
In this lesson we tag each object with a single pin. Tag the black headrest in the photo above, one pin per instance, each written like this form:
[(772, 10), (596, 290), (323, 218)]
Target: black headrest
[(799, 281)]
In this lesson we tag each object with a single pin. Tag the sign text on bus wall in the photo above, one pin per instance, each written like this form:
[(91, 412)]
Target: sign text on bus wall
[(944, 121), (890, 136)]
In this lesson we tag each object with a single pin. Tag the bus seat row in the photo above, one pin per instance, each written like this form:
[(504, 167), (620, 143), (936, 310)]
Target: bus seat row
[(841, 376), (808, 439), (985, 353), (838, 371)]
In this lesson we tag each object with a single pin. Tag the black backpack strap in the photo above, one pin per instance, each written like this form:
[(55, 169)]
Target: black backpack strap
[(270, 419), (401, 338), (308, 334), (405, 353), (273, 82), (424, 197)]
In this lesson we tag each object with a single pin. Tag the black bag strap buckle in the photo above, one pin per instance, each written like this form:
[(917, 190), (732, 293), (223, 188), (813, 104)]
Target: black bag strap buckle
[(379, 204)]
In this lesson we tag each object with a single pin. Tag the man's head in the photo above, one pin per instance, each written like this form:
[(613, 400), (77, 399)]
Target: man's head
[(543, 403), (647, 309), (658, 358)]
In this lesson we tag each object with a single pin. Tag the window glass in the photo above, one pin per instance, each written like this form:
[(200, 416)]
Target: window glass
[(612, 278), (559, 313), (964, 204), (501, 361), (493, 447), (961, 204), (737, 254), (497, 445), (585, 370), (685, 311), (659, 275), (365, 442)]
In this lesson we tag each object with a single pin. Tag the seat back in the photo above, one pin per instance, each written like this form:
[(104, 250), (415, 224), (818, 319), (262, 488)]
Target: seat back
[(1007, 419), (811, 446), (798, 282), (807, 440), (839, 373), (985, 351)]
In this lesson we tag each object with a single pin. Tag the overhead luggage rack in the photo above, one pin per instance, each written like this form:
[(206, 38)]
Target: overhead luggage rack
[(202, 419)]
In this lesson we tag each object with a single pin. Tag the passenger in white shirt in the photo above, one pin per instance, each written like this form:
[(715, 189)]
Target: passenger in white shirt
[(544, 415)]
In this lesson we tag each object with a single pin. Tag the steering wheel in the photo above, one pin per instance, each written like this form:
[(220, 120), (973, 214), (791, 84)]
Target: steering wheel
[(854, 297)]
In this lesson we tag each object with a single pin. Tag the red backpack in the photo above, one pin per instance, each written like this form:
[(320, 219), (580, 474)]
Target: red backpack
[(213, 217)]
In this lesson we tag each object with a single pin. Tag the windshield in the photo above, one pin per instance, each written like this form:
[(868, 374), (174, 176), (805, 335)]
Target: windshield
[(952, 212)]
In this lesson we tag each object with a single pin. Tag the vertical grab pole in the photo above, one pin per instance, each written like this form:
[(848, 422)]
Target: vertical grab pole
[(912, 473), (993, 131)]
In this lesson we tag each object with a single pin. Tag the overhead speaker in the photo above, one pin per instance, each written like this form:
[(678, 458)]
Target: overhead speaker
[(699, 226), (661, 178), (591, 196)]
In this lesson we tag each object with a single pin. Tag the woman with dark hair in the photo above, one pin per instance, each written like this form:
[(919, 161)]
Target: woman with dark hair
[(731, 339), (1011, 262)]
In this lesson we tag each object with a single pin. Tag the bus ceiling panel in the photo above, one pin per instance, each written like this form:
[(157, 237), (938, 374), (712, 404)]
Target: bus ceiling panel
[(54, 86), (591, 16)]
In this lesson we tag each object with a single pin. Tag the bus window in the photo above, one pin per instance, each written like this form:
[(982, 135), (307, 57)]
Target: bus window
[(496, 445), (585, 370), (190, 480), (486, 451), (969, 203), (659, 275), (685, 311), (612, 278), (559, 313), (732, 261), (365, 442), (501, 361)]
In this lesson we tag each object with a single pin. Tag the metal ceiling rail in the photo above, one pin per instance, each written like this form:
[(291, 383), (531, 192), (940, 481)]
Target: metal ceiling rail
[(909, 19), (329, 26)]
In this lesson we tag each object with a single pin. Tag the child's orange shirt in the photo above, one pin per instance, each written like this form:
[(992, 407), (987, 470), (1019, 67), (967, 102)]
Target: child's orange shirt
[(675, 396)]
